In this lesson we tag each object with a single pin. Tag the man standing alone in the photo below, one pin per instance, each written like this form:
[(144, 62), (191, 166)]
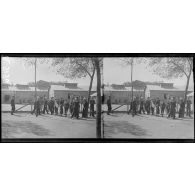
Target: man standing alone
[(12, 105), (109, 105)]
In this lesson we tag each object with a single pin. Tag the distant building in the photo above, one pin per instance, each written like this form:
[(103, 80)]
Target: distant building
[(59, 91), (154, 91), (167, 85), (22, 93), (120, 94)]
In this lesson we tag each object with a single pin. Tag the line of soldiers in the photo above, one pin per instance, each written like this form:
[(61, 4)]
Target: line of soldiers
[(156, 107), (61, 106)]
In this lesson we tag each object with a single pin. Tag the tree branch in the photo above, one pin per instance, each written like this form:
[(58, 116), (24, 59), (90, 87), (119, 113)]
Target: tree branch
[(190, 62), (180, 68), (84, 69)]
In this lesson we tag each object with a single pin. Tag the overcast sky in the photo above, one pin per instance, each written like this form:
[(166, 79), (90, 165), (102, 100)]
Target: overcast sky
[(14, 71), (116, 72)]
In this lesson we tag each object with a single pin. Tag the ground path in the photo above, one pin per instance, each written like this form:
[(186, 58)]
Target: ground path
[(25, 125), (146, 126)]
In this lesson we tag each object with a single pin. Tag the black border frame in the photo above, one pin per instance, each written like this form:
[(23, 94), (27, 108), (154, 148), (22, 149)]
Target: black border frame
[(94, 140)]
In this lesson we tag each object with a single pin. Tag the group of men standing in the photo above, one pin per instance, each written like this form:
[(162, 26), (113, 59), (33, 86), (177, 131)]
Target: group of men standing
[(72, 105), (138, 105), (157, 107)]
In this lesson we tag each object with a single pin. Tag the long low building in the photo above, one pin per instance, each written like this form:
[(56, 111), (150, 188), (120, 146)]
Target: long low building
[(154, 91), (69, 89), (120, 94), (22, 94)]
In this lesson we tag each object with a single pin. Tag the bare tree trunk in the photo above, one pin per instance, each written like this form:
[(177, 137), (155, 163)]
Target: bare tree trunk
[(187, 85), (35, 78), (90, 87), (98, 103), (132, 82)]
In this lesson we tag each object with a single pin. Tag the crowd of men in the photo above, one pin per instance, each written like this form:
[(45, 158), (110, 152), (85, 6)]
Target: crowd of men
[(72, 106), (167, 106), (75, 105)]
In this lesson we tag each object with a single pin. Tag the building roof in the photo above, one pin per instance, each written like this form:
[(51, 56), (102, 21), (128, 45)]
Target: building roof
[(86, 88), (110, 88), (79, 88), (159, 88), (14, 88)]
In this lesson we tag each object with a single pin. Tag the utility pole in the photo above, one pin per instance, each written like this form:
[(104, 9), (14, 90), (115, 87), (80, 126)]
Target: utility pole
[(99, 99), (132, 80), (35, 79)]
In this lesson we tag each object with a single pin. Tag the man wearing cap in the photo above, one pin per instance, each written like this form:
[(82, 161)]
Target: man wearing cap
[(76, 107), (181, 108), (134, 107), (45, 104), (163, 105), (109, 105), (141, 109), (92, 103), (188, 111), (66, 106), (147, 105), (172, 108), (157, 106), (12, 105), (38, 106), (85, 107)]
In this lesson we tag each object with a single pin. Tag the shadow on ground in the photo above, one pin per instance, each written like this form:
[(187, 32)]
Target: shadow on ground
[(112, 127), (14, 129)]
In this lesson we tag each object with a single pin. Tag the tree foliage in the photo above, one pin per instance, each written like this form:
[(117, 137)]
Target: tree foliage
[(31, 61), (171, 67), (73, 67)]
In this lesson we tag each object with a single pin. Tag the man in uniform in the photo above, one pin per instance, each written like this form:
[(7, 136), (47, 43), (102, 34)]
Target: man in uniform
[(141, 109), (168, 105), (56, 106), (61, 106), (71, 105), (181, 108), (12, 105), (45, 104), (163, 105), (188, 111), (152, 106), (92, 103), (41, 100), (66, 106), (76, 107), (85, 107), (52, 105), (134, 107), (157, 106), (37, 106), (172, 108), (109, 105), (147, 105)]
